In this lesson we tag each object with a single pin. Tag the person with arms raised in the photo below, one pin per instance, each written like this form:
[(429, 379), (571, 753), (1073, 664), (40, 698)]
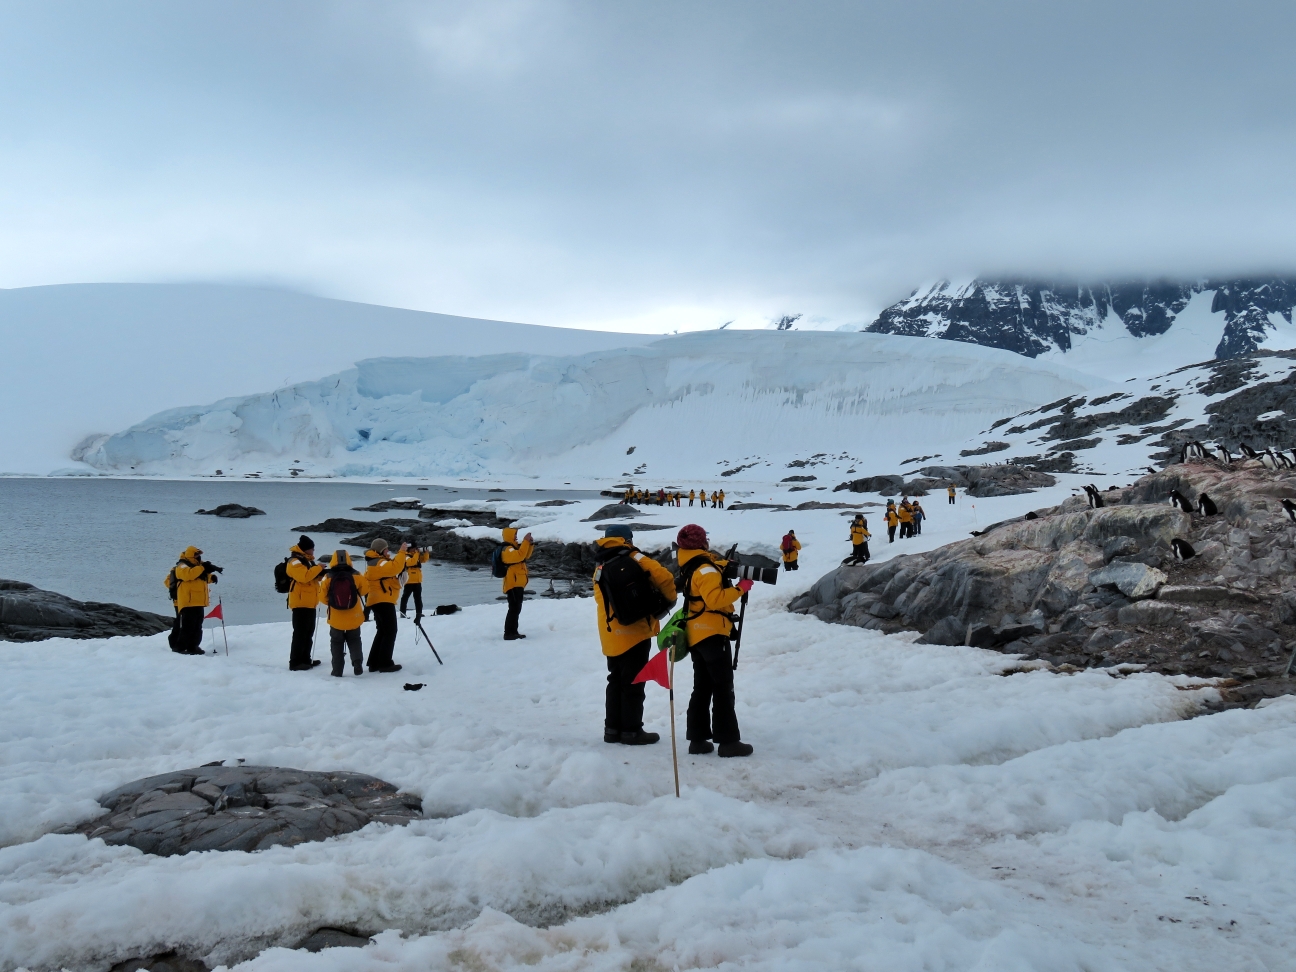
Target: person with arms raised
[(187, 583), (383, 571), (514, 556)]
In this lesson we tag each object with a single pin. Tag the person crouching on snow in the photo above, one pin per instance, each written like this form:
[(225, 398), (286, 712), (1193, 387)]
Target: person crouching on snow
[(709, 600), (626, 643)]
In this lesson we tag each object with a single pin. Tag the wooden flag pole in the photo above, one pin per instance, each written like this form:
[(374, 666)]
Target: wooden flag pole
[(674, 750)]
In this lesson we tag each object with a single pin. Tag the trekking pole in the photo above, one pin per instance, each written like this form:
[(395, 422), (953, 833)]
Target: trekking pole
[(1287, 673), (419, 624), (313, 627), (674, 749), (220, 604), (742, 613)]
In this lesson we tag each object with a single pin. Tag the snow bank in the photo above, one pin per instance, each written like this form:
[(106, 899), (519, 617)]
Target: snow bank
[(908, 807), (690, 407)]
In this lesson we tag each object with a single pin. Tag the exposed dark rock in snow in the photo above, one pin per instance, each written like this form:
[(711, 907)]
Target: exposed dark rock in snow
[(985, 449), (1082, 587), (1001, 480), (556, 502), (387, 506), (613, 511), (1032, 317), (29, 614), (245, 808), (232, 511)]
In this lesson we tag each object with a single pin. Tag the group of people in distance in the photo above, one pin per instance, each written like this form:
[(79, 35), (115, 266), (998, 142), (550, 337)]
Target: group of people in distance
[(672, 497), (908, 516)]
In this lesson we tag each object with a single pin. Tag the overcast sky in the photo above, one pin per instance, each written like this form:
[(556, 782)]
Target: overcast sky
[(642, 165)]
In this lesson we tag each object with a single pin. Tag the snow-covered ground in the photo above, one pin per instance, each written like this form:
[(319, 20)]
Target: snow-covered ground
[(908, 807)]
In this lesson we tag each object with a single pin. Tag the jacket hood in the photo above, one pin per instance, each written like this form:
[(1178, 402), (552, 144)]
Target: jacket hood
[(191, 553), (510, 534), (296, 551), (684, 556), (609, 547), (340, 558)]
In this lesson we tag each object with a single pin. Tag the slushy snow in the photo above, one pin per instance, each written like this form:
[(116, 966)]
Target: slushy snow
[(908, 807)]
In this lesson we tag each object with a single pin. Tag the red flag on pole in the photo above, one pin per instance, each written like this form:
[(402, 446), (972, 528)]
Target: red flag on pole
[(655, 671), (216, 613)]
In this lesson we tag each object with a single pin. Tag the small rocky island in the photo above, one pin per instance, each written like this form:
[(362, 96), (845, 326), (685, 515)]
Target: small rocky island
[(232, 511), (28, 613)]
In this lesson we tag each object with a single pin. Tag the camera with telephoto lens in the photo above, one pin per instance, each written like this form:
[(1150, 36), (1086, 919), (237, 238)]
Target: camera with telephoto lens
[(763, 575)]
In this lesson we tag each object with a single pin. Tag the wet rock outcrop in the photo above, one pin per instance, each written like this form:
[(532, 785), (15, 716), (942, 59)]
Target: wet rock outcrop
[(28, 613), (245, 808), (1086, 587), (232, 511), (1007, 479)]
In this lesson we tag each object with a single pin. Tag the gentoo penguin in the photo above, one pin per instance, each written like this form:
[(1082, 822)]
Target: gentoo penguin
[(1268, 460), (1223, 455), (1206, 506), (1095, 498), (1248, 451), (1032, 515), (1180, 502), (1182, 549), (1290, 509), (1192, 450)]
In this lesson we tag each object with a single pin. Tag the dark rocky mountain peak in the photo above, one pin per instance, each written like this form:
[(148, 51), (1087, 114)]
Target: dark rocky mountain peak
[(1034, 317)]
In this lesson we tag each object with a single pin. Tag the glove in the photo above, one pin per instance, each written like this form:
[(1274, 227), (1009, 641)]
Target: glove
[(744, 585)]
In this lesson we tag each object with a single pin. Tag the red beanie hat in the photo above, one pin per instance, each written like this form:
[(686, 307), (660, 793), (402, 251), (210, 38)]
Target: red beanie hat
[(692, 537)]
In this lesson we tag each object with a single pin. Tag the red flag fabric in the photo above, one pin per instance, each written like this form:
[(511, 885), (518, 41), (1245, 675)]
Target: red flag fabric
[(655, 671), (215, 613)]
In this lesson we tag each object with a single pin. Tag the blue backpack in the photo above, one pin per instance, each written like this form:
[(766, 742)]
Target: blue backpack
[(498, 567)]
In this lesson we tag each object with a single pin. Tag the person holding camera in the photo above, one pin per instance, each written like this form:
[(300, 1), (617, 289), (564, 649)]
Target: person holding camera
[(187, 583), (303, 599), (514, 556), (414, 582), (631, 590), (791, 548), (383, 571), (859, 538), (709, 599)]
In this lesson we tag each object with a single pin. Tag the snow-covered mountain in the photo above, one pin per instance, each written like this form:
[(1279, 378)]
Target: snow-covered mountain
[(1173, 323), (87, 358), (688, 408)]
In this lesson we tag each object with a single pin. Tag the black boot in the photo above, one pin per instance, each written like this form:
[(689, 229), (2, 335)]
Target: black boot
[(700, 747), (639, 738), (611, 735), (736, 749)]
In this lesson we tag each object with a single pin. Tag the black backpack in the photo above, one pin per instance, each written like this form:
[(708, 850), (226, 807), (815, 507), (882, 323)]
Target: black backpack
[(283, 583), (629, 595), (342, 594), (173, 582), (498, 567)]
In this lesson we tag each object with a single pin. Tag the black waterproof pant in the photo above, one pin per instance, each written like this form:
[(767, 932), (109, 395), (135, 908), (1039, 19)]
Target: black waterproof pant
[(623, 711), (303, 622), (415, 589), (951, 501), (860, 552), (514, 595), (351, 639), (384, 639), (891, 534), (187, 632), (789, 565), (711, 707), (917, 527)]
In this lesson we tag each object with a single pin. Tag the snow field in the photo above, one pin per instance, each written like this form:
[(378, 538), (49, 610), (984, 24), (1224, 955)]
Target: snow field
[(908, 806)]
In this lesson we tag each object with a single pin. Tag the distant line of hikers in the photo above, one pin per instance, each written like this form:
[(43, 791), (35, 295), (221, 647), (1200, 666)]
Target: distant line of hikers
[(672, 497)]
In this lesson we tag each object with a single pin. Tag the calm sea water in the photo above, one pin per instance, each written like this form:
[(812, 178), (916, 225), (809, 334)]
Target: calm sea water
[(87, 538)]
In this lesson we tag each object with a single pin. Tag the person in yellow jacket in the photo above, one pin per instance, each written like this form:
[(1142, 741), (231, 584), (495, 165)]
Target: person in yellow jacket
[(342, 589), (892, 520), (626, 646), (905, 513), (515, 555), (791, 548), (692, 496), (418, 556), (303, 600), (187, 584), (383, 572), (722, 499), (951, 492), (709, 601), (859, 538)]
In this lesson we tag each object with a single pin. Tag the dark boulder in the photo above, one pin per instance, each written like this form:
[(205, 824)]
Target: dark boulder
[(232, 511), (29, 614)]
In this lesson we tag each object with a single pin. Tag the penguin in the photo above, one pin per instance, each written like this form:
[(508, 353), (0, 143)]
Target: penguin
[(1290, 509), (1032, 516), (1206, 506), (1283, 461), (1182, 549), (1180, 502), (1268, 460), (1223, 455), (1248, 451), (1191, 451), (1151, 470), (1095, 498)]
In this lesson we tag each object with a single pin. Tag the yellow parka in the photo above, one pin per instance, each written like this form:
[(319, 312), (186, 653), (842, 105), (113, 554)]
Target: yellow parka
[(790, 556), (305, 575), (692, 495), (950, 490), (859, 533), (722, 497), (708, 598), (193, 578), (352, 617), (383, 576), (891, 517), (414, 564), (621, 638), (905, 513), (515, 555)]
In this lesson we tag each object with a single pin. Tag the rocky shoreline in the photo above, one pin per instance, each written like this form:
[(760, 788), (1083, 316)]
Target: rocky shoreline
[(1073, 587), (28, 613)]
